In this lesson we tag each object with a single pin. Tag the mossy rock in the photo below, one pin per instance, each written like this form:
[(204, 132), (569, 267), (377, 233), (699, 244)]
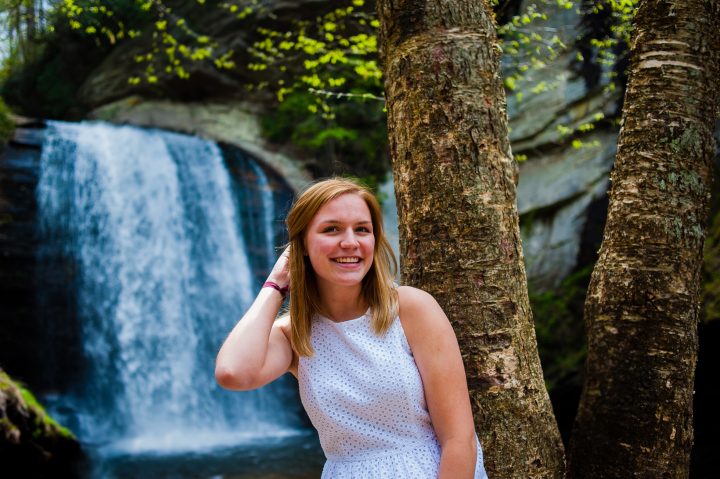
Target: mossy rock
[(7, 125), (30, 440)]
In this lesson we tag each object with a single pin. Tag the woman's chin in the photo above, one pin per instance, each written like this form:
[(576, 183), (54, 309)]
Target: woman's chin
[(349, 278)]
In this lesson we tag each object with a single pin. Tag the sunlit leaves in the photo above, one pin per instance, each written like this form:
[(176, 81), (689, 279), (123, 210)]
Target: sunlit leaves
[(336, 53), (175, 45)]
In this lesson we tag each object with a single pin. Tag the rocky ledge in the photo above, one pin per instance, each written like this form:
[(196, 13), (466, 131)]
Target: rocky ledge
[(30, 440)]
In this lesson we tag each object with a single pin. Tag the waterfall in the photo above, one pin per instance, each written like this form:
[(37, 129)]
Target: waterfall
[(153, 227), (268, 210)]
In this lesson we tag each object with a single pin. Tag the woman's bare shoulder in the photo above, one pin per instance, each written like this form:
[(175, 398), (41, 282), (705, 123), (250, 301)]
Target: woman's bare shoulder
[(418, 309), (413, 299)]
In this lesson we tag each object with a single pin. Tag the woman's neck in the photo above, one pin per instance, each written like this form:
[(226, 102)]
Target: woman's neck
[(341, 303)]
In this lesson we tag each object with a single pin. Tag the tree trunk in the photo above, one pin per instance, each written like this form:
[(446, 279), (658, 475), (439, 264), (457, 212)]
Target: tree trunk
[(455, 182), (30, 20), (635, 416)]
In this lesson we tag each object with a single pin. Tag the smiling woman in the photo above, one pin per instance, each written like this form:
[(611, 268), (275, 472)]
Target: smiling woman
[(340, 244), (378, 366)]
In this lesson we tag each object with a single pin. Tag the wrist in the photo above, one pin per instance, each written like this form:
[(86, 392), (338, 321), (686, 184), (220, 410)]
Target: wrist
[(283, 290)]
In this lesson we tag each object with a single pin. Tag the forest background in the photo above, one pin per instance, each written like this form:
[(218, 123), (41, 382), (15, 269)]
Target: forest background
[(316, 81)]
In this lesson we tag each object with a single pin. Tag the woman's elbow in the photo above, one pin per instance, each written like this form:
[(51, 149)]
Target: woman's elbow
[(231, 378)]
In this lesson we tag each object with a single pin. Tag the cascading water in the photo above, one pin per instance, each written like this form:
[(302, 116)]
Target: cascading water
[(153, 227)]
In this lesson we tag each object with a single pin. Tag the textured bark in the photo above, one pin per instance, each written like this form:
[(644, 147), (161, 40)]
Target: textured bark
[(455, 182), (635, 416)]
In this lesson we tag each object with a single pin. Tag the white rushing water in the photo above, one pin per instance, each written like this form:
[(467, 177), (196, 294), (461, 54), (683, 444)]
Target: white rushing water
[(150, 220), (268, 208)]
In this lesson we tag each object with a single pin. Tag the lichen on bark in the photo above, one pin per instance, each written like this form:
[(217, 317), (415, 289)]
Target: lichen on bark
[(642, 308)]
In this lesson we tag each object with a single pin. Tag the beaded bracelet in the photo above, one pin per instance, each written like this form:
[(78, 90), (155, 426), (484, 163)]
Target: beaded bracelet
[(283, 291)]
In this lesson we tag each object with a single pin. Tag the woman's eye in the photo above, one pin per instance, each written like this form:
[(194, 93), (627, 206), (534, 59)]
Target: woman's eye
[(330, 229), (363, 229)]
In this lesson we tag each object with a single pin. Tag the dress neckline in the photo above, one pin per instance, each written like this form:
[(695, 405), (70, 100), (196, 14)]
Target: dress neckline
[(353, 320)]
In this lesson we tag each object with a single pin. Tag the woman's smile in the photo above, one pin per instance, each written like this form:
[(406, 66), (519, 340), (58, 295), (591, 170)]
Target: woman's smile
[(347, 260)]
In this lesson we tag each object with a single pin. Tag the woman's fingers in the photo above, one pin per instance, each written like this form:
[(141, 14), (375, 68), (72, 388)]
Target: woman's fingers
[(280, 273)]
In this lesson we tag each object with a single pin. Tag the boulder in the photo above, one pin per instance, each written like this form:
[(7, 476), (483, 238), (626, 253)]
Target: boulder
[(31, 443)]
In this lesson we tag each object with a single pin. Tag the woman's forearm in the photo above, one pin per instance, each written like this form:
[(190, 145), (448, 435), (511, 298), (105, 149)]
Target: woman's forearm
[(458, 458), (244, 352)]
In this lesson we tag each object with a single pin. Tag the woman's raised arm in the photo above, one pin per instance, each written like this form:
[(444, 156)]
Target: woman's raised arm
[(257, 351)]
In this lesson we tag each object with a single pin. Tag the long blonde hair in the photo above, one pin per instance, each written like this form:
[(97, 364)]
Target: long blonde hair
[(377, 285)]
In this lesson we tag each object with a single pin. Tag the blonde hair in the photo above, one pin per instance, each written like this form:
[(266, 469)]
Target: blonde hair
[(377, 285)]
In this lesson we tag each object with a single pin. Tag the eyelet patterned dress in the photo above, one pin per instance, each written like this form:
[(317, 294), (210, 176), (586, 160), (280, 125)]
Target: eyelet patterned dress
[(364, 395)]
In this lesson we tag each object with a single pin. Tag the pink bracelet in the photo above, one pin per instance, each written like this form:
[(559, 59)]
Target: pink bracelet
[(275, 286)]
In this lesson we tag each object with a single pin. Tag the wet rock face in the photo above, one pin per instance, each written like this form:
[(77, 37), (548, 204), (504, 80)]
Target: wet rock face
[(19, 163)]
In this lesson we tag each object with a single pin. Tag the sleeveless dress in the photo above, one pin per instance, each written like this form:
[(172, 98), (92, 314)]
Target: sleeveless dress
[(364, 395)]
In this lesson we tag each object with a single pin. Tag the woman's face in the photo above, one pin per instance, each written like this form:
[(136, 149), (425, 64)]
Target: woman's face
[(340, 241)]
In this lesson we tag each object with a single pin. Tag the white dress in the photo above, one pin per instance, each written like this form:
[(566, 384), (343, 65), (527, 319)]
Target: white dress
[(364, 395)]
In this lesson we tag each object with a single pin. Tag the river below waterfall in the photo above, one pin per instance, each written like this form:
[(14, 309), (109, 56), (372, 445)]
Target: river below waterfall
[(151, 246), (294, 457)]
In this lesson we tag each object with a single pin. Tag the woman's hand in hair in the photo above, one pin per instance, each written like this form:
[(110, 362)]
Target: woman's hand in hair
[(280, 273)]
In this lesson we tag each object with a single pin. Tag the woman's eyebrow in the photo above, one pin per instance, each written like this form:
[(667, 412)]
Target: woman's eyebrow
[(364, 222)]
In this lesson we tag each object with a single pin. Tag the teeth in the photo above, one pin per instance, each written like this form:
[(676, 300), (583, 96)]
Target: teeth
[(347, 260)]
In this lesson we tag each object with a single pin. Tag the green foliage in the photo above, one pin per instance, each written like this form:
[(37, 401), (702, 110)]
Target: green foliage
[(530, 46), (622, 13), (46, 86), (337, 52), (559, 327), (353, 141), (7, 125), (174, 42), (19, 24)]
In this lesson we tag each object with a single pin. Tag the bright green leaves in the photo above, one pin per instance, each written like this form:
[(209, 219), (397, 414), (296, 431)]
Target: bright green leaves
[(334, 57), (92, 18), (529, 45), (174, 44), (622, 13)]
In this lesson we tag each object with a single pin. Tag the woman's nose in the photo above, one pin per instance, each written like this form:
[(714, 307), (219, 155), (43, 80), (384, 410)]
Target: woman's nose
[(348, 240)]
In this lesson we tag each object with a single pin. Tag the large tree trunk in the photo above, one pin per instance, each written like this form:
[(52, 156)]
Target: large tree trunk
[(455, 182), (635, 416)]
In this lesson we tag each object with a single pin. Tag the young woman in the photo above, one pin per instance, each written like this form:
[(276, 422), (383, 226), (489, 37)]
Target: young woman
[(378, 366)]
